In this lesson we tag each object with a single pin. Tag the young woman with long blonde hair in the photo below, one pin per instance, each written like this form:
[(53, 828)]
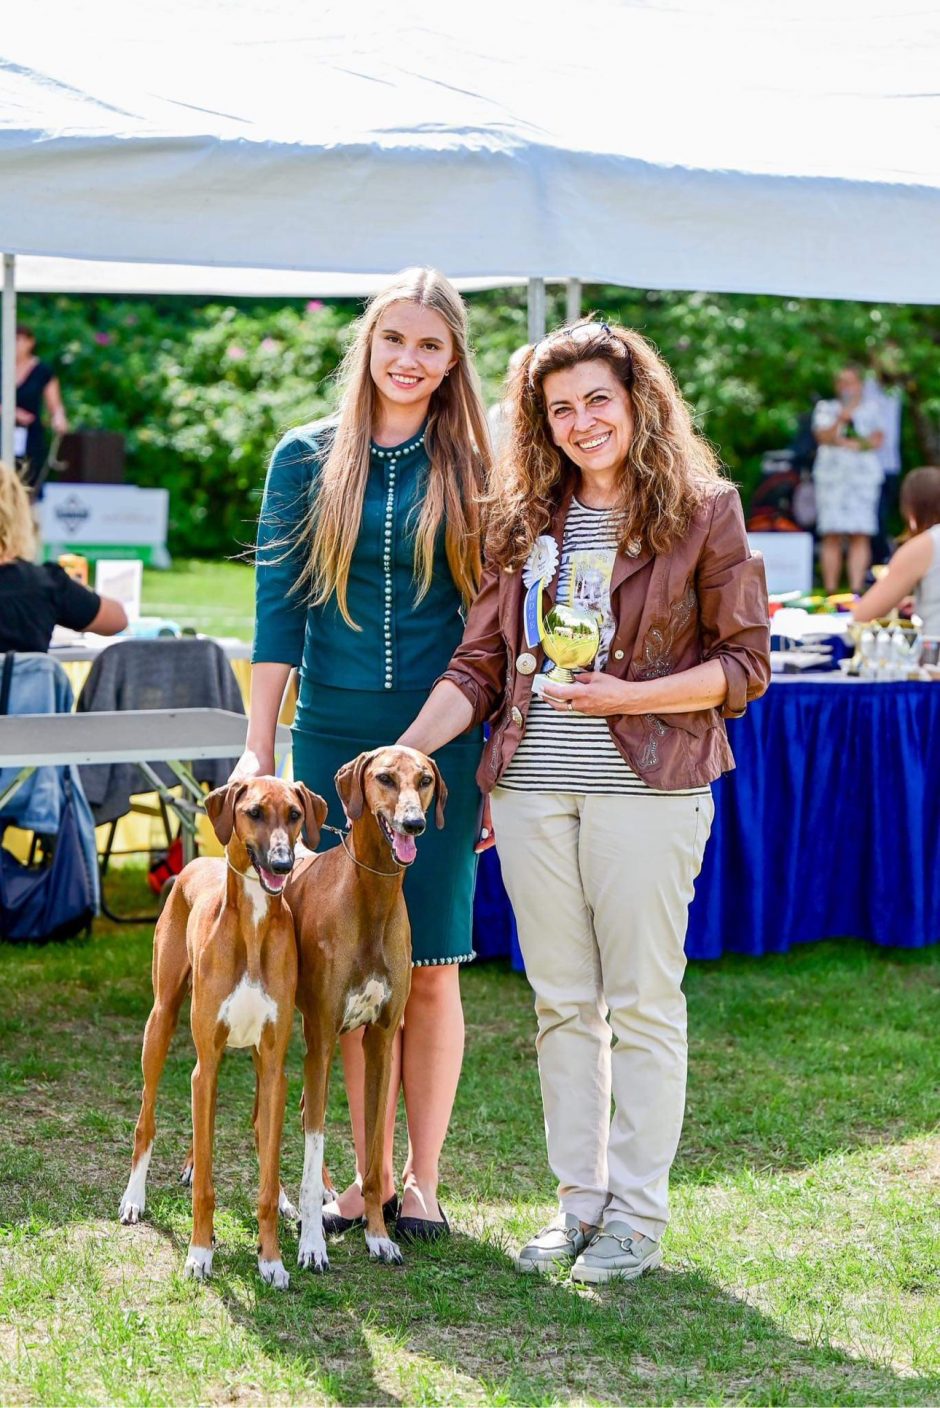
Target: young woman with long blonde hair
[(368, 557)]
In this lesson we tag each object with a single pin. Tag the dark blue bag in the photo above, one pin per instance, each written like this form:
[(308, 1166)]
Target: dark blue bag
[(54, 900)]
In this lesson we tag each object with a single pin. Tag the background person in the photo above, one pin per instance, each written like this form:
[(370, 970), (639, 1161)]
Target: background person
[(37, 387), (883, 390), (847, 474), (915, 567), (36, 597), (600, 794), (368, 553)]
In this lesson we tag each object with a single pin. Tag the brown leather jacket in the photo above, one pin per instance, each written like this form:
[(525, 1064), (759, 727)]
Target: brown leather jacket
[(706, 600)]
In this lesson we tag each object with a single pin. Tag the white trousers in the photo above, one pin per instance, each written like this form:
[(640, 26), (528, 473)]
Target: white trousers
[(600, 887)]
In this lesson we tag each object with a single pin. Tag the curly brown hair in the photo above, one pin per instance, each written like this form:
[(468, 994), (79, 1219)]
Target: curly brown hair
[(668, 470)]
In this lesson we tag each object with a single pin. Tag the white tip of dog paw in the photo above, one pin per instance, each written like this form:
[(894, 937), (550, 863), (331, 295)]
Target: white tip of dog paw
[(198, 1263), (384, 1249), (129, 1212), (273, 1273), (286, 1208), (186, 1177), (312, 1257)]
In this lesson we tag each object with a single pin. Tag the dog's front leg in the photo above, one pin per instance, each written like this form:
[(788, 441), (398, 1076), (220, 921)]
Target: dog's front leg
[(205, 1085), (312, 1249), (377, 1045), (270, 1100)]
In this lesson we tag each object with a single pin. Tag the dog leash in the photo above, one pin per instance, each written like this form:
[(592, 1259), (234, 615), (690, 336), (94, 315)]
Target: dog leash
[(385, 874)]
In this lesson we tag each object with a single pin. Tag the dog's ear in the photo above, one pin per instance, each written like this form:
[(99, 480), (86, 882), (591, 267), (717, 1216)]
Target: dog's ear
[(350, 784), (440, 794), (315, 810), (220, 808)]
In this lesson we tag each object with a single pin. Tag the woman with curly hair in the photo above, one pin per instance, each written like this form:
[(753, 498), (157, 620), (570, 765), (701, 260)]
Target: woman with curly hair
[(368, 556), (600, 789)]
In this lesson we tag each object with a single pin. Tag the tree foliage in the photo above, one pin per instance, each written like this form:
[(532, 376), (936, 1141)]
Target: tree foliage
[(203, 390)]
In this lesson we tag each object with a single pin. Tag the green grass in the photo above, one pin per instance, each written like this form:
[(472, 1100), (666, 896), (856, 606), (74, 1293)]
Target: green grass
[(801, 1266), (216, 598)]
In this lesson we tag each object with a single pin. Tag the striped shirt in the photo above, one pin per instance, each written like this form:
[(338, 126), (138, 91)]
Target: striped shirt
[(562, 752)]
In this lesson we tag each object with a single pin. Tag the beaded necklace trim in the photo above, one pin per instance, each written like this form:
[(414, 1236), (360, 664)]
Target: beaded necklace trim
[(397, 452)]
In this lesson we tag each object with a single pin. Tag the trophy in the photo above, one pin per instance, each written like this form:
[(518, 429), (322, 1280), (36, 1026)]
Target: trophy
[(571, 637)]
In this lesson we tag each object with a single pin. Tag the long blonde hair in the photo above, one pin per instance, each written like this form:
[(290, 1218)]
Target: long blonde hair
[(668, 467), (457, 444), (17, 534)]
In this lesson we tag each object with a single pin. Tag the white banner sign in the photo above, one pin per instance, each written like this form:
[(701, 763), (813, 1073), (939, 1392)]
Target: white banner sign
[(788, 560), (104, 513)]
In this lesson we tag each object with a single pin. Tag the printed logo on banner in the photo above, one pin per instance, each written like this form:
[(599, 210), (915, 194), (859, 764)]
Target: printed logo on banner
[(71, 514)]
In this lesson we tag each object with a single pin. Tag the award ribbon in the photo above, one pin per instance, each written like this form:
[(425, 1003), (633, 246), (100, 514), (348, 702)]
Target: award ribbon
[(532, 615)]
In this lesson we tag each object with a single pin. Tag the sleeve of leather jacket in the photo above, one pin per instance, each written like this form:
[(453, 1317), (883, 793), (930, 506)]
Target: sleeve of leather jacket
[(478, 667), (733, 612)]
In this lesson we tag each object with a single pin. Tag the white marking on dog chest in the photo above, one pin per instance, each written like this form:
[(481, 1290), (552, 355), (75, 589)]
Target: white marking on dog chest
[(245, 1012), (365, 1005)]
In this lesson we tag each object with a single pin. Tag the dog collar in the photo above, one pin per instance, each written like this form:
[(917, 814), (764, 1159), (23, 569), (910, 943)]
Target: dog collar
[(254, 877)]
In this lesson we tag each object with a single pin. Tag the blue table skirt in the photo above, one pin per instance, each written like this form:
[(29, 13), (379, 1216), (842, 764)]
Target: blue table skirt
[(829, 826)]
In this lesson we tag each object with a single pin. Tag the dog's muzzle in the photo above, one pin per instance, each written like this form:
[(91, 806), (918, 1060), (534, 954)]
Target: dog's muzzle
[(274, 869)]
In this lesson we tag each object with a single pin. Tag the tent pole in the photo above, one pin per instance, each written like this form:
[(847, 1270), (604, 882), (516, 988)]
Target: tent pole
[(572, 300), (536, 309), (8, 350)]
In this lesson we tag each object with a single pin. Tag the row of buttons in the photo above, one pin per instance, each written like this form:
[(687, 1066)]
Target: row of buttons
[(387, 565)]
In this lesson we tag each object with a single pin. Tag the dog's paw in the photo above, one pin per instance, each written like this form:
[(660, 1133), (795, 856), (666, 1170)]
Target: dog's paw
[(384, 1249), (273, 1273), (311, 1254), (286, 1208), (186, 1175), (198, 1263), (129, 1211)]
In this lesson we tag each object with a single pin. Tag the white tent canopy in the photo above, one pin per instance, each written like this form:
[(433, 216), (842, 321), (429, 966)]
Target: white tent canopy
[(711, 144), (42, 274)]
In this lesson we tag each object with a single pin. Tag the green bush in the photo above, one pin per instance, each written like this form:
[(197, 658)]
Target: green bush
[(202, 391)]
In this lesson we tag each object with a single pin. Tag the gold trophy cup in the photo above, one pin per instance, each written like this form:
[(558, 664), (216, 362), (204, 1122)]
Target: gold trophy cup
[(571, 637)]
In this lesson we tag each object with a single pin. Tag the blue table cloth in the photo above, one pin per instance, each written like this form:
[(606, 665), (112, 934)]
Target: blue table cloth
[(828, 827)]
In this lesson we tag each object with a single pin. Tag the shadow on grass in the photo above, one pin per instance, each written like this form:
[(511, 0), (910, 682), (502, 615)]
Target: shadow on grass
[(458, 1317)]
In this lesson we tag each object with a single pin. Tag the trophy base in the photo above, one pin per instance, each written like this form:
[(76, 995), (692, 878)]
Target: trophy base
[(557, 676)]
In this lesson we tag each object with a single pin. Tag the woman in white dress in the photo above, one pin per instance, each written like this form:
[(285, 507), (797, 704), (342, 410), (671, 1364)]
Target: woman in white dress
[(847, 474)]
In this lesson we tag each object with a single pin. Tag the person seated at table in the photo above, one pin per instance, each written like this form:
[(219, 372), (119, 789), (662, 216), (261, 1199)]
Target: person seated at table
[(600, 789), (915, 567), (36, 597)]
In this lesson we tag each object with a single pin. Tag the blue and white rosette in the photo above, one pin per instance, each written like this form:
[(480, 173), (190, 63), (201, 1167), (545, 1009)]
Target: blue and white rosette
[(542, 562)]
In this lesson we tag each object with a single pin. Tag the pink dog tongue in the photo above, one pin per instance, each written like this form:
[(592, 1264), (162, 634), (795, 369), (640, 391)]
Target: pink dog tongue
[(273, 882), (405, 847)]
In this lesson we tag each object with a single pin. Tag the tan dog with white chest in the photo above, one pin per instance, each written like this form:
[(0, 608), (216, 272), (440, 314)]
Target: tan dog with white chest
[(354, 943), (227, 934)]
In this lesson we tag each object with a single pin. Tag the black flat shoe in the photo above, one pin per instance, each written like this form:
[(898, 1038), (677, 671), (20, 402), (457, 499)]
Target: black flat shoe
[(334, 1222), (421, 1229)]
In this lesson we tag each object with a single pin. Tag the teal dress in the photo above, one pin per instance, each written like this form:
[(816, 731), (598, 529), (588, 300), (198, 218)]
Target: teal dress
[(361, 689)]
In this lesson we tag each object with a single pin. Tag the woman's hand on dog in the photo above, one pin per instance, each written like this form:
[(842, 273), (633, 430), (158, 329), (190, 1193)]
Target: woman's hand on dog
[(254, 762)]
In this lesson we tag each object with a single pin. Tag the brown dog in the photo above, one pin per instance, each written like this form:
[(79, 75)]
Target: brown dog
[(227, 935), (354, 947)]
